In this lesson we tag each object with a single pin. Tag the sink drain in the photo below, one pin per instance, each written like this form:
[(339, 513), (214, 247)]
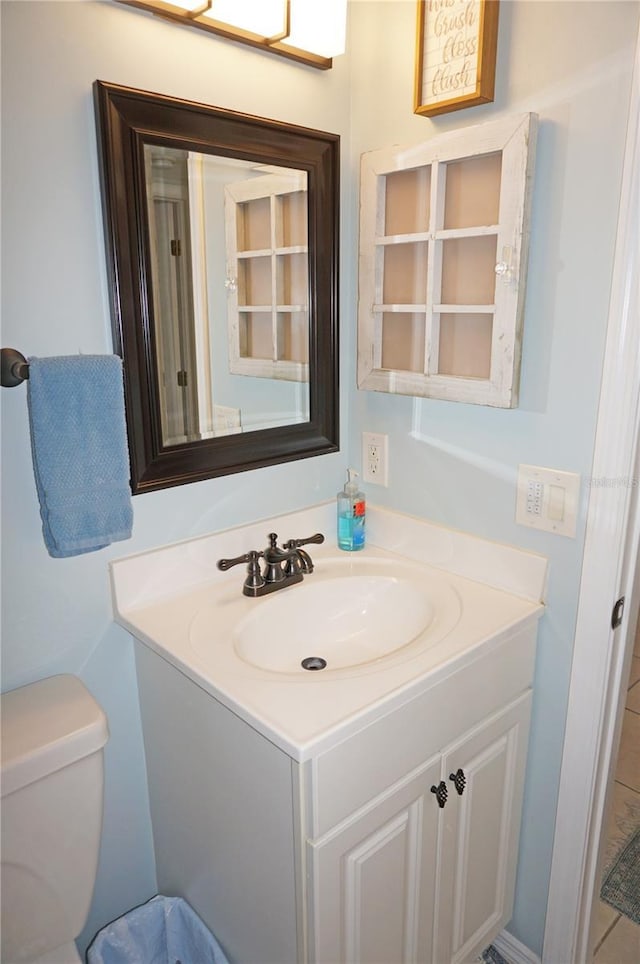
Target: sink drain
[(313, 662)]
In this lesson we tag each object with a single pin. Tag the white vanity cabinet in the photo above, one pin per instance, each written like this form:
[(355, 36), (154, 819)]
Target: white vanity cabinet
[(345, 855), (407, 879)]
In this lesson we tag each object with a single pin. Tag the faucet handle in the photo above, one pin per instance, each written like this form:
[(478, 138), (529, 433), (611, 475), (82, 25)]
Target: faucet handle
[(255, 580), (248, 557), (301, 561), (318, 538)]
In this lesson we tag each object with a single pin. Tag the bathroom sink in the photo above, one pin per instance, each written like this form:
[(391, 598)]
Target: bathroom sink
[(388, 621), (347, 615)]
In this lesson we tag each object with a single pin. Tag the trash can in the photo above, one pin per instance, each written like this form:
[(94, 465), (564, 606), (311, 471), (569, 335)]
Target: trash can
[(165, 930)]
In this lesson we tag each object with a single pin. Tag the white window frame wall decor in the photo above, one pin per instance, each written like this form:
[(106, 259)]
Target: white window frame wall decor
[(270, 188), (513, 139)]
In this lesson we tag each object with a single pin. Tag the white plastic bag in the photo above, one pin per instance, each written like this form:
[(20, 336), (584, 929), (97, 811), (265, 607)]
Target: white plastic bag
[(165, 930)]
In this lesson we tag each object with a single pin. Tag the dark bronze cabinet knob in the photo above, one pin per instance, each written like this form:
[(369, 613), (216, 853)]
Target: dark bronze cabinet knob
[(459, 781), (441, 793)]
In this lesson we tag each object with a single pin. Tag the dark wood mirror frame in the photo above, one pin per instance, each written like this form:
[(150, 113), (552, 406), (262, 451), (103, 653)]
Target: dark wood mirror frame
[(126, 120)]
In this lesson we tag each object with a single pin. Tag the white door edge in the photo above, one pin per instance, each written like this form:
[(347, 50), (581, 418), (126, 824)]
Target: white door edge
[(609, 564)]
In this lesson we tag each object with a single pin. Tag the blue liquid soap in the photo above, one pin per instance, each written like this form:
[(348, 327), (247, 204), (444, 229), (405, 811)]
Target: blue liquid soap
[(351, 515)]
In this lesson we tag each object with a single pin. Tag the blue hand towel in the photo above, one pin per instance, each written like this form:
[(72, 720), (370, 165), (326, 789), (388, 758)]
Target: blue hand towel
[(80, 456)]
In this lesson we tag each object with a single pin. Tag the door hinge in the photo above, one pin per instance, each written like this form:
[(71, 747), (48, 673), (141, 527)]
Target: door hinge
[(617, 613), (176, 247), (182, 378)]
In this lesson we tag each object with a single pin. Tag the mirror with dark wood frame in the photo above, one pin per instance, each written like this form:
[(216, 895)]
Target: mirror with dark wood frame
[(222, 253)]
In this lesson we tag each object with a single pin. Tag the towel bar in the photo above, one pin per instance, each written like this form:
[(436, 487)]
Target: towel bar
[(15, 368)]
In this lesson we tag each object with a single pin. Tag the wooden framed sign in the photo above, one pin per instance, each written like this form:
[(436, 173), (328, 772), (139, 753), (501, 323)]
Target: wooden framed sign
[(455, 54)]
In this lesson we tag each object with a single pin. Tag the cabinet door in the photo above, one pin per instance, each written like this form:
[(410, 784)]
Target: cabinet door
[(373, 879), (480, 832), (443, 255)]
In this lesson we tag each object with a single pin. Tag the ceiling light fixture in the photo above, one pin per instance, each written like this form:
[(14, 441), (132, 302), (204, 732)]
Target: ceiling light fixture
[(310, 31)]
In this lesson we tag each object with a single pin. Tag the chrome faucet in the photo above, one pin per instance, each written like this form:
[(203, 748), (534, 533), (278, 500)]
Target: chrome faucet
[(283, 566)]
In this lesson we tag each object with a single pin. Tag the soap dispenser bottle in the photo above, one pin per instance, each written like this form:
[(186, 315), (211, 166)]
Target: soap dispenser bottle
[(351, 515)]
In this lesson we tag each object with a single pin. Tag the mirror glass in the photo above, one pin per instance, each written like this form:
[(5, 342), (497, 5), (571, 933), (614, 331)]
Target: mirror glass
[(229, 251), (222, 252)]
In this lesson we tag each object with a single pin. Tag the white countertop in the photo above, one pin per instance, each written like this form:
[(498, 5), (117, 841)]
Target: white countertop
[(165, 597)]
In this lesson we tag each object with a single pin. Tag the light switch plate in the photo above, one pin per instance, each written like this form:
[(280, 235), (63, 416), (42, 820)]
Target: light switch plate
[(548, 499)]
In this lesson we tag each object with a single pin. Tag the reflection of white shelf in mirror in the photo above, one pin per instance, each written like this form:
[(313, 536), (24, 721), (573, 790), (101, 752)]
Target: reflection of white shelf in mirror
[(268, 308), (268, 252), (281, 369), (436, 316), (259, 253), (293, 249), (479, 232), (278, 351), (403, 238), (467, 309)]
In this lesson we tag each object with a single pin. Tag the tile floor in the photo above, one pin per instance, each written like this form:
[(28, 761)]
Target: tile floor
[(618, 938)]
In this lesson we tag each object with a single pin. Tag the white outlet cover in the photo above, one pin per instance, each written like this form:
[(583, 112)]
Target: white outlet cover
[(378, 474), (548, 499)]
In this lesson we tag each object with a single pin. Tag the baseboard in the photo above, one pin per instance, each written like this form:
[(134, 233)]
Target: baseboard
[(513, 951)]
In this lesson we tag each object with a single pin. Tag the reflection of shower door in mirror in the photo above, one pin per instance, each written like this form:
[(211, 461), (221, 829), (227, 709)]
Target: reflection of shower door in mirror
[(173, 302)]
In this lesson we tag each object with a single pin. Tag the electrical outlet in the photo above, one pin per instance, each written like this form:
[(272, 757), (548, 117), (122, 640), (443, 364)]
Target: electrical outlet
[(375, 458)]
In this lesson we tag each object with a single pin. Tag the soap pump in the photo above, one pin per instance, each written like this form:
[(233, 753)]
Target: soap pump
[(351, 515)]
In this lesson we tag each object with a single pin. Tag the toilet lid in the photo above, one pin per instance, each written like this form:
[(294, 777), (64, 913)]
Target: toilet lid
[(47, 725)]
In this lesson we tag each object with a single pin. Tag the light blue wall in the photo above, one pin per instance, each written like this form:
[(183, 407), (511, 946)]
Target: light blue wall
[(569, 62), (57, 613)]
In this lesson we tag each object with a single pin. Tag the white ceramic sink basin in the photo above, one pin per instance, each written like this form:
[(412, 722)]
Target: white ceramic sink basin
[(346, 616)]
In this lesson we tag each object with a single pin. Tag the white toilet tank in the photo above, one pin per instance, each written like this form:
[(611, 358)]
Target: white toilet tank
[(53, 732)]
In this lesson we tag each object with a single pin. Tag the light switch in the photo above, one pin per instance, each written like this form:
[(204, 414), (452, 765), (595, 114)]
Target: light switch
[(556, 503), (548, 499)]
